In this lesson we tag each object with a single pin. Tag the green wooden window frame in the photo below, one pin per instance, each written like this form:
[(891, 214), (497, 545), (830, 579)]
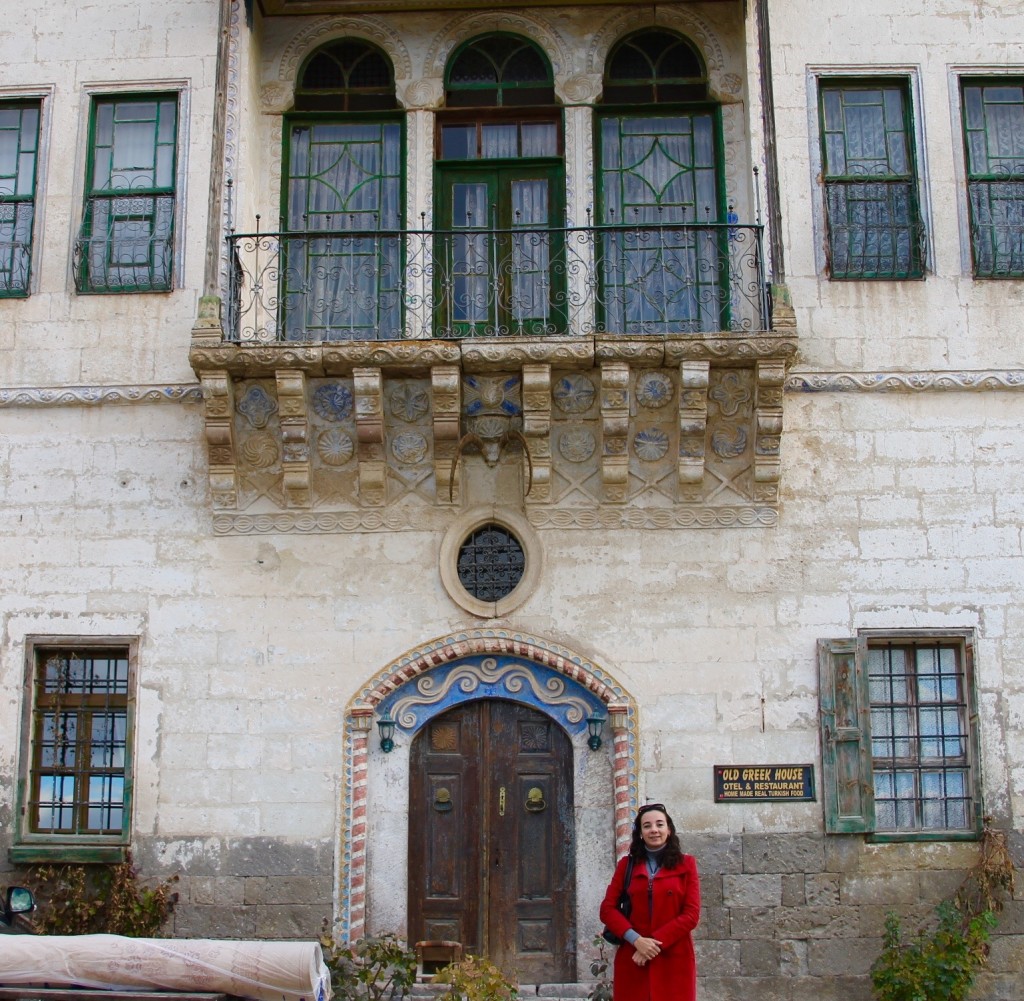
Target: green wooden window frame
[(19, 155), (900, 736), (75, 789), (502, 275), (499, 70), (342, 250), (126, 241), (993, 123), (663, 261), (872, 203)]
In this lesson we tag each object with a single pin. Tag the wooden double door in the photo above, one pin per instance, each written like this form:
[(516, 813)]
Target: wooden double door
[(491, 839)]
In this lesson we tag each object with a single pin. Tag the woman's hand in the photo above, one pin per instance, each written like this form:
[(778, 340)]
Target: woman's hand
[(645, 949)]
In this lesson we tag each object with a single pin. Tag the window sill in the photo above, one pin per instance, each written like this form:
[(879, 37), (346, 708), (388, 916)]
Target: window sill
[(28, 854), (920, 836)]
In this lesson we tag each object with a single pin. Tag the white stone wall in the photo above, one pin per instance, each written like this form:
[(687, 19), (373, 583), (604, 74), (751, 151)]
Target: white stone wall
[(949, 320), (900, 511), (65, 53)]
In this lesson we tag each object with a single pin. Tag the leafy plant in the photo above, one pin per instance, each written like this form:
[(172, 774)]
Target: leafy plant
[(379, 968), (940, 961), (474, 978), (602, 989), (95, 899), (938, 964)]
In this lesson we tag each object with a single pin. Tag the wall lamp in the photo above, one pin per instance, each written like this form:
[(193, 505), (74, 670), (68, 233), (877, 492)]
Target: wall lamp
[(386, 725), (595, 724)]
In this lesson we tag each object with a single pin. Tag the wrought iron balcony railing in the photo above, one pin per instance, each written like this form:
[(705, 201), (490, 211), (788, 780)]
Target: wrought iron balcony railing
[(472, 282)]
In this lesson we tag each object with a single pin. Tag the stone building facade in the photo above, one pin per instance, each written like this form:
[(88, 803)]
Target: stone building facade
[(599, 396)]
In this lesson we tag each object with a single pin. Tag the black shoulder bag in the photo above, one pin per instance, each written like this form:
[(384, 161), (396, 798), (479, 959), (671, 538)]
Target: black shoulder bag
[(625, 905)]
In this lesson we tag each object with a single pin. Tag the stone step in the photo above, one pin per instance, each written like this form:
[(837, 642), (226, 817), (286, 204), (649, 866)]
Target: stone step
[(549, 992)]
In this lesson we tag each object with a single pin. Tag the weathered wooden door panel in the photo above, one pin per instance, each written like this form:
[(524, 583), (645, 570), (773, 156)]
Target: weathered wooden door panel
[(506, 868)]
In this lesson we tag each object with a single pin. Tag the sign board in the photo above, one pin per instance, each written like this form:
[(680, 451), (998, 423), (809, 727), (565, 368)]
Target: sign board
[(752, 783)]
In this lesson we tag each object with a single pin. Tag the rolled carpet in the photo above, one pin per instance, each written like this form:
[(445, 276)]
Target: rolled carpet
[(265, 971)]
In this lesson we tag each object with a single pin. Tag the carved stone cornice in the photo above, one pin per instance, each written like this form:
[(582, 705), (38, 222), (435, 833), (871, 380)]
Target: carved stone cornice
[(587, 519), (983, 380), (730, 349), (94, 396), (631, 431)]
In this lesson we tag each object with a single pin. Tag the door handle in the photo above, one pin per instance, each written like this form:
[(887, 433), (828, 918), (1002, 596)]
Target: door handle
[(501, 802)]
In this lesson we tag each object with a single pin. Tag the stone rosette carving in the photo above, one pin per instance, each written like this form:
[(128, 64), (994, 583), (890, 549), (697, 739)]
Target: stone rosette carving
[(576, 444), (335, 447), (333, 402), (574, 394), (654, 390), (409, 447), (260, 450)]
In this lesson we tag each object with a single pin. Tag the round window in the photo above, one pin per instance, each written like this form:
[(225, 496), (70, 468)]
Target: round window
[(491, 562)]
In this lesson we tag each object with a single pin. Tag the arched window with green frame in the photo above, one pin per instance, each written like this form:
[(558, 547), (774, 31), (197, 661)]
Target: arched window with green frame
[(341, 275), (663, 243), (499, 193)]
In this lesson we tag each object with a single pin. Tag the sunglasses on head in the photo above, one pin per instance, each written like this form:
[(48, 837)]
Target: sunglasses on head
[(647, 807)]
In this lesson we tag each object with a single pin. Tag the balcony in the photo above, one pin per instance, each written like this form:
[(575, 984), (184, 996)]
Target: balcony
[(354, 285)]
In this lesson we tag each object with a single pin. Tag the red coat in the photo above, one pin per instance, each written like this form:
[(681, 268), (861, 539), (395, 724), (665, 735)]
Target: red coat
[(671, 918)]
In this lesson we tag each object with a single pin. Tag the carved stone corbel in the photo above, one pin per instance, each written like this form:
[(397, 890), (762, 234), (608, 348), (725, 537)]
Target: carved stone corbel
[(694, 377), (368, 386), (219, 397), (771, 376), (445, 382), (291, 408), (537, 429), (615, 430)]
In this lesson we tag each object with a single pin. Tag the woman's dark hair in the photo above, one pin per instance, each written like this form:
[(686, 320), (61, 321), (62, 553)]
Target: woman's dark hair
[(673, 851)]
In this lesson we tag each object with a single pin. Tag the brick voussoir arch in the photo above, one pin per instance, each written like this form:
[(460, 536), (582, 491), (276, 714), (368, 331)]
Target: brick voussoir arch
[(412, 665), (350, 918)]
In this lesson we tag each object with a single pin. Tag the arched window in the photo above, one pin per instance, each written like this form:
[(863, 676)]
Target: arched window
[(498, 71), (500, 191), (346, 75), (340, 255), (664, 257), (654, 67)]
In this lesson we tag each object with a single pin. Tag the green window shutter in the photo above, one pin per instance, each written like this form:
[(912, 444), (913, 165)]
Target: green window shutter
[(846, 739)]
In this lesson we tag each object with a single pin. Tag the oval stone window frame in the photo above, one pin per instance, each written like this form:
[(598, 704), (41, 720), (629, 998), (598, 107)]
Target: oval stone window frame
[(459, 532)]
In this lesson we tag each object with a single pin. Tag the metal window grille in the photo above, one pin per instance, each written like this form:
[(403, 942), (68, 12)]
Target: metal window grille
[(491, 563), (79, 742), (993, 119), (126, 243), (920, 737), (871, 199), (19, 148)]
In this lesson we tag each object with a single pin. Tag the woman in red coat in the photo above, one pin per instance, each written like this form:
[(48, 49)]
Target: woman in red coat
[(656, 961)]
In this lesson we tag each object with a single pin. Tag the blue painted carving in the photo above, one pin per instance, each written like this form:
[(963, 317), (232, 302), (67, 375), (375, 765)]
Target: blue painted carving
[(486, 677)]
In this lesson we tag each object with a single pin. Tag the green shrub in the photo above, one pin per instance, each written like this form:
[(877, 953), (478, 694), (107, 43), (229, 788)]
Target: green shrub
[(381, 968), (939, 961), (936, 964), (602, 989)]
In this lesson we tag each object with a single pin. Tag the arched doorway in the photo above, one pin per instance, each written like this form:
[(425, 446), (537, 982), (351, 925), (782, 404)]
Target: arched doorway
[(491, 838), (425, 684)]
